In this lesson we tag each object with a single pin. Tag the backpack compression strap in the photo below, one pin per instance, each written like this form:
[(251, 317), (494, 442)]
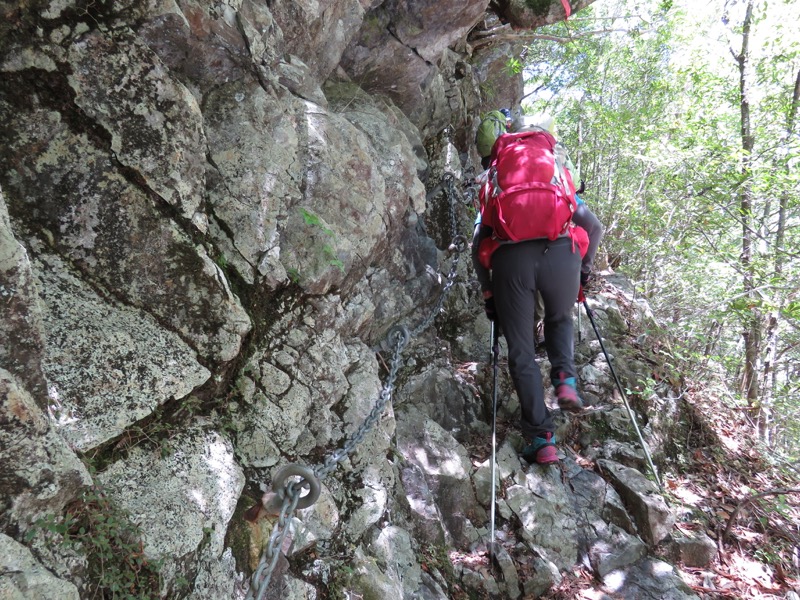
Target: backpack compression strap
[(538, 185), (535, 185)]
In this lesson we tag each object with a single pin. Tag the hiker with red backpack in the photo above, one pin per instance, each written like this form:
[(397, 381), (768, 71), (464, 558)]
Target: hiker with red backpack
[(525, 241)]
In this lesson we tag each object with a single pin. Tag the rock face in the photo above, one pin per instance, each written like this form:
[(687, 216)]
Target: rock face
[(24, 577), (230, 242), (528, 14)]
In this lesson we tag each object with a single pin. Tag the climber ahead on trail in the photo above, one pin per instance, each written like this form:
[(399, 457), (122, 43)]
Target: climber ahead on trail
[(517, 255), (492, 126)]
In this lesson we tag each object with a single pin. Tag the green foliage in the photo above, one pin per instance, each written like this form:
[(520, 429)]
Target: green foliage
[(327, 249), (645, 389), (341, 582), (221, 261), (312, 219), (513, 66), (95, 527), (294, 275), (651, 112)]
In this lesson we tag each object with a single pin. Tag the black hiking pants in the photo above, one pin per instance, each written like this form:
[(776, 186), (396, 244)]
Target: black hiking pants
[(518, 271)]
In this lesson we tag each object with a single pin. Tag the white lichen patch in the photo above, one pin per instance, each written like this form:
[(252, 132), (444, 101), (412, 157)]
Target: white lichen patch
[(180, 499), (107, 366)]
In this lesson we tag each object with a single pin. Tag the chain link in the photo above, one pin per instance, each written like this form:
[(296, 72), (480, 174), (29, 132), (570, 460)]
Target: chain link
[(401, 339), (458, 245), (469, 197), (398, 338), (269, 558)]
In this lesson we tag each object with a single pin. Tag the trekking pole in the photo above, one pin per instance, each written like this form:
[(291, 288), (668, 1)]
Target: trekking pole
[(624, 397), (495, 349)]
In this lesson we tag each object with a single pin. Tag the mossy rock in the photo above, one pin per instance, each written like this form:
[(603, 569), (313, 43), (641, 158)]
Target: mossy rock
[(245, 538)]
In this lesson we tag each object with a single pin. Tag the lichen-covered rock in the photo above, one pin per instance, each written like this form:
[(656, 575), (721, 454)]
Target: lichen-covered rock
[(108, 227), (217, 575), (182, 501), (650, 512), (446, 468), (431, 28), (23, 578), (205, 45), (370, 500), (394, 549), (21, 335), (439, 394), (372, 580), (541, 504), (594, 496), (153, 121), (40, 474), (507, 468), (648, 579), (384, 65), (402, 52), (692, 548), (544, 574), (612, 548), (107, 366), (292, 163), (424, 510), (491, 61), (317, 31), (394, 146), (314, 390)]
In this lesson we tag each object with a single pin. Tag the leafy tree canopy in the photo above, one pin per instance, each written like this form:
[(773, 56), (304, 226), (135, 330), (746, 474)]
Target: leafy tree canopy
[(681, 118)]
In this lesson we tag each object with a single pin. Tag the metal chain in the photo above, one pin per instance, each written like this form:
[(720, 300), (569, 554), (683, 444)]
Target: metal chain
[(397, 338), (401, 339), (469, 197), (458, 245), (262, 575)]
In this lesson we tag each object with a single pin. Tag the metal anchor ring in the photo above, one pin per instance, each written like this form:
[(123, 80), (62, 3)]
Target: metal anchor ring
[(307, 480), (398, 334), (459, 244)]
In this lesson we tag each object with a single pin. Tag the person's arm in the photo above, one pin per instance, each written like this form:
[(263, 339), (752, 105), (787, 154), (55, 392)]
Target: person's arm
[(481, 233), (484, 276), (585, 218)]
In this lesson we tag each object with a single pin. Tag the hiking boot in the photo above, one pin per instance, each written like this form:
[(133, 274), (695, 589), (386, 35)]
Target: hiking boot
[(541, 450), (567, 393)]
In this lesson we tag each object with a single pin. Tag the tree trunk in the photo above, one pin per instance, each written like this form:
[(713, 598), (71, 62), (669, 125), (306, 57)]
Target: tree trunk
[(769, 375), (753, 322)]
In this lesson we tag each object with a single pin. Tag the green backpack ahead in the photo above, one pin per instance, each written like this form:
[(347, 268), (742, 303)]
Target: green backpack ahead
[(492, 127)]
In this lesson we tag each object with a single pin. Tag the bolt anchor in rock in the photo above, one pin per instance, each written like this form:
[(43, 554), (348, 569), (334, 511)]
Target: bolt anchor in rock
[(272, 501)]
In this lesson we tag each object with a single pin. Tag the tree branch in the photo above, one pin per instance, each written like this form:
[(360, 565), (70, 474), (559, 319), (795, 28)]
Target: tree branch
[(795, 104), (748, 500), (526, 36)]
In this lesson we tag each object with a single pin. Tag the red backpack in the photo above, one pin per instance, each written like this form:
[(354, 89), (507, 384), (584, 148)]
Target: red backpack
[(529, 194)]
